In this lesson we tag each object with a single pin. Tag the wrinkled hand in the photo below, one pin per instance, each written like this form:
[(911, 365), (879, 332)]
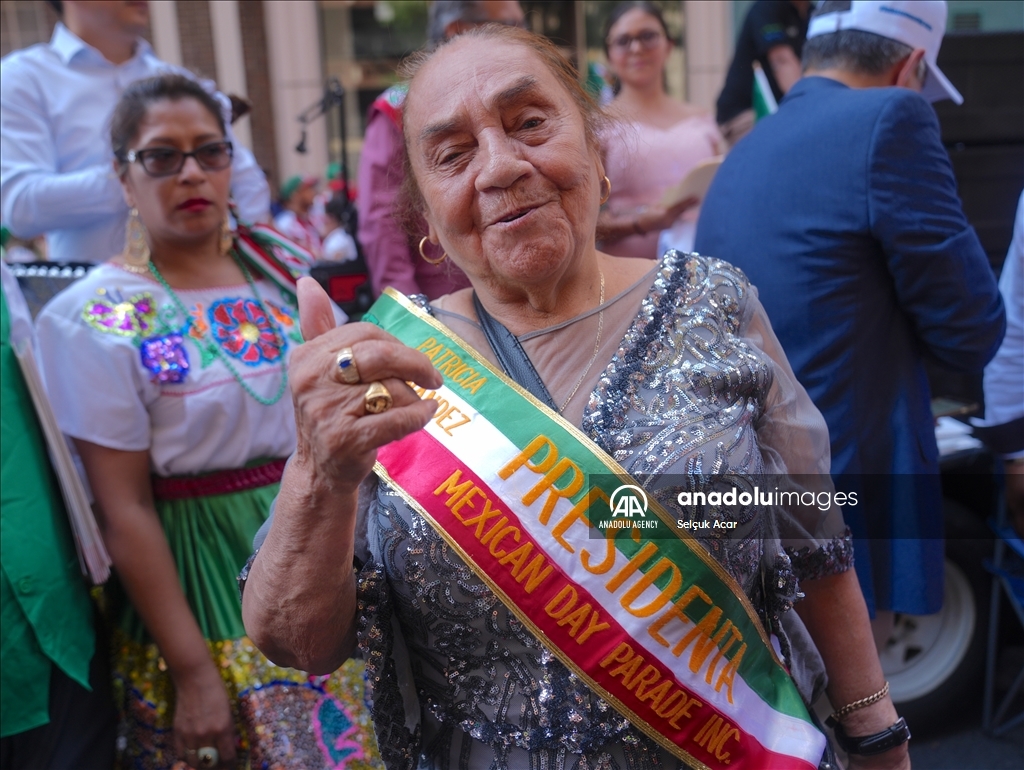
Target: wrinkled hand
[(202, 715), (653, 217), (337, 439)]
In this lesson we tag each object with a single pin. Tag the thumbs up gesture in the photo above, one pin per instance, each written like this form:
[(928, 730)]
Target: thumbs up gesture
[(337, 432)]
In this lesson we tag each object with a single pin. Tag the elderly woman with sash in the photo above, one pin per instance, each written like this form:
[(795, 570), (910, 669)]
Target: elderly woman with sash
[(454, 507)]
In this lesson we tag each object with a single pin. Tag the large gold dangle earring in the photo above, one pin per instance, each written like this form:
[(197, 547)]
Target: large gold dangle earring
[(607, 195), (227, 237), (136, 250), (428, 260)]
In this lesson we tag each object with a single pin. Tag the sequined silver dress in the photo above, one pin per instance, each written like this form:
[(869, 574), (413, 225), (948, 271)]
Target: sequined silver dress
[(458, 682)]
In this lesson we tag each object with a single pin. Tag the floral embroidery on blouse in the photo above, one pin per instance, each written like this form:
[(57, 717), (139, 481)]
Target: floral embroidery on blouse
[(165, 358), (245, 332), (112, 314), (197, 326), (285, 321)]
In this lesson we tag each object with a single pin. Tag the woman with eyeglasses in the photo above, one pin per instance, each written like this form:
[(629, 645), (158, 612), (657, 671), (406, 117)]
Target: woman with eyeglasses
[(656, 140), (168, 367)]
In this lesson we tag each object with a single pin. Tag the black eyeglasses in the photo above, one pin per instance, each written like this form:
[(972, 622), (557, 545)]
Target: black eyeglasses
[(165, 161), (647, 39)]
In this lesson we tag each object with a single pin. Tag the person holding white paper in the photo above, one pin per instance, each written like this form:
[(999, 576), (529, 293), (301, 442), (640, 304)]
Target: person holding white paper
[(655, 142), (55, 708)]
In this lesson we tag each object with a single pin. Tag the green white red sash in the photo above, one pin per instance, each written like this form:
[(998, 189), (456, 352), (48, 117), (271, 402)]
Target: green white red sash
[(654, 626), (278, 259)]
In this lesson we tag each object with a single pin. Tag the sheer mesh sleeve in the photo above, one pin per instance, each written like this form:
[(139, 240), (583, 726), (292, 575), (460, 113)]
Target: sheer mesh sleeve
[(794, 444)]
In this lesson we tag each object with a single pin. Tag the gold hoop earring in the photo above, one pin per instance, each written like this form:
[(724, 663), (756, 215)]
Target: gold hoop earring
[(227, 237), (607, 195), (428, 260), (136, 249)]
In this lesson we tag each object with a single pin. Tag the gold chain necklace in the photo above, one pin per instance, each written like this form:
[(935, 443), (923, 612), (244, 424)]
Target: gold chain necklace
[(597, 346)]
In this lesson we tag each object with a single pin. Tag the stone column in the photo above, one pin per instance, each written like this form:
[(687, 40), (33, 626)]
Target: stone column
[(709, 44), (230, 61), (296, 78)]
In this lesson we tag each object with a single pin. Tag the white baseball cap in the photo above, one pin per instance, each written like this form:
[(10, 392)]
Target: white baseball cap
[(917, 23)]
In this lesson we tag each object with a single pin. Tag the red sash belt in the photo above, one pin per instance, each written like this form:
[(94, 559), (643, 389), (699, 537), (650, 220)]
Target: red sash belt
[(218, 482)]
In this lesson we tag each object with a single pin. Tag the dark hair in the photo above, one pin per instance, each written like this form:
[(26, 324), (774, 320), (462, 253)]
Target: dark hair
[(623, 8), (57, 6), (441, 13), (135, 102), (854, 50), (337, 207), (410, 200)]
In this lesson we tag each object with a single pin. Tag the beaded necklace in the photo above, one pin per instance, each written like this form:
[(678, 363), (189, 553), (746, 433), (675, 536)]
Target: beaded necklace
[(214, 348)]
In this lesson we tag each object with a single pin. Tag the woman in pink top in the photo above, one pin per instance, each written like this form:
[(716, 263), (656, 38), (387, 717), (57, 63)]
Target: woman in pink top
[(654, 141)]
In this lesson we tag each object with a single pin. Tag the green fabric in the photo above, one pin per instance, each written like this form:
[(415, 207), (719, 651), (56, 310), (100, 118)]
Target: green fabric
[(210, 539), (45, 610), (763, 98)]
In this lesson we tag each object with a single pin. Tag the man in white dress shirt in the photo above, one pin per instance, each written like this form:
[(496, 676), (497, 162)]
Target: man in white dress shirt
[(56, 99), (1003, 426)]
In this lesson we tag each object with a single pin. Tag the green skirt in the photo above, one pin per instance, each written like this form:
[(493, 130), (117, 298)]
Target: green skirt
[(284, 718)]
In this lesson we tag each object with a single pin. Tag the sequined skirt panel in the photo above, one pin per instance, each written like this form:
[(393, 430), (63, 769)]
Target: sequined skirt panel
[(285, 719)]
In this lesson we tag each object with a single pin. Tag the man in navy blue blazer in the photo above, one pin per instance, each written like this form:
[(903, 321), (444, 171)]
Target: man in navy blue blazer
[(842, 209)]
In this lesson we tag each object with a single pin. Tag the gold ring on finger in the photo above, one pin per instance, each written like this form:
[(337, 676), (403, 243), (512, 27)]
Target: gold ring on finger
[(377, 399), (345, 368)]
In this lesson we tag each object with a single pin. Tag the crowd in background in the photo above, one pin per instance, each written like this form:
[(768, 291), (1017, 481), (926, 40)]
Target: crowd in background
[(168, 364)]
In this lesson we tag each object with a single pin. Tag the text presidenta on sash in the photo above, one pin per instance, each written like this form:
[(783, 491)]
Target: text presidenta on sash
[(714, 644)]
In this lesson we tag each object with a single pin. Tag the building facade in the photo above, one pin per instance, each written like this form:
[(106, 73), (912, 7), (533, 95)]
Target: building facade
[(279, 55)]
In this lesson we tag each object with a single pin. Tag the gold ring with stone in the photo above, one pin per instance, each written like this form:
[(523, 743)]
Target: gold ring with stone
[(377, 399), (345, 368), (208, 756)]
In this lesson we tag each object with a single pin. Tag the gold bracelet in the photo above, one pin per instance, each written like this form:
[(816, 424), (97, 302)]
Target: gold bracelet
[(849, 708)]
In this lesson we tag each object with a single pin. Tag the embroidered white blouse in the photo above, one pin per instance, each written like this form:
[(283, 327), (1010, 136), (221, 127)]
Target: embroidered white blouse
[(127, 371)]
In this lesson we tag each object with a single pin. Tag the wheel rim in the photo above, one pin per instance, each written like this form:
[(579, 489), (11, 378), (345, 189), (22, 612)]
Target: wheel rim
[(923, 651)]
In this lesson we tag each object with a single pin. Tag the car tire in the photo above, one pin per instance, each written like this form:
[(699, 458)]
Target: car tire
[(935, 663)]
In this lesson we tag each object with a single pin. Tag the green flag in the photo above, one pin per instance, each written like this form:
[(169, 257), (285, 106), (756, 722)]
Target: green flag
[(764, 99)]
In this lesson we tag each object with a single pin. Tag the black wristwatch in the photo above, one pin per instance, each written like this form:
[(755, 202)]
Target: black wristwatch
[(869, 745)]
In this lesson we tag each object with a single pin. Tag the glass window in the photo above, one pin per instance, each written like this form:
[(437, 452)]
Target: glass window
[(364, 41), (24, 23), (967, 16)]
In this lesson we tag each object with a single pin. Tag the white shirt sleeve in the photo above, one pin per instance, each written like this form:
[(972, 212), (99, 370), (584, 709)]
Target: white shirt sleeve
[(1004, 376), (339, 246), (34, 196), (95, 383), (249, 186)]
